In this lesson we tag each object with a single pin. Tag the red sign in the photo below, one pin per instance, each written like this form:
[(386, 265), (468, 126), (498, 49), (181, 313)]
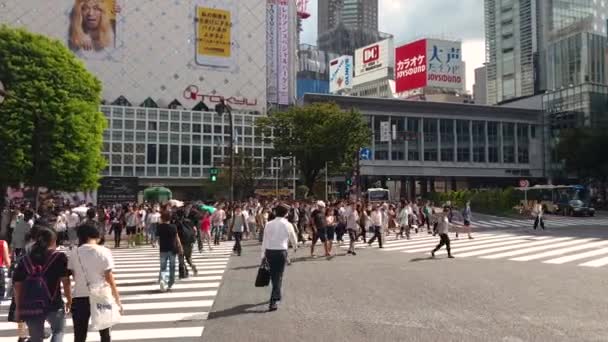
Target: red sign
[(410, 66), (371, 54), (524, 183)]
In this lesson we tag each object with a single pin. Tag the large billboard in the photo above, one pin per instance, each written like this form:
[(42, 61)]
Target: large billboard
[(445, 67), (373, 57), (429, 63), (410, 66), (340, 74), (160, 50)]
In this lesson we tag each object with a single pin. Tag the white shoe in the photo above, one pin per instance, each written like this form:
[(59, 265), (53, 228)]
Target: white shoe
[(163, 286)]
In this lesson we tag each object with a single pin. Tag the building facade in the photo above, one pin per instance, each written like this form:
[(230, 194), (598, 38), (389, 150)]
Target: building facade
[(361, 14), (313, 70), (328, 14), (480, 92), (443, 146)]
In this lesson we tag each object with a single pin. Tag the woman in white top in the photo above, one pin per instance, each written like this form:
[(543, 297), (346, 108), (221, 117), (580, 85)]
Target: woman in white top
[(91, 266)]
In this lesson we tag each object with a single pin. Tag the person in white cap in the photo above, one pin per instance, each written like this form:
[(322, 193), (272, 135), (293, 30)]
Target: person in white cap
[(319, 228)]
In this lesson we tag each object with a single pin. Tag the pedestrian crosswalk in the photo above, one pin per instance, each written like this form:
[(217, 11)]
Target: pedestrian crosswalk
[(557, 250), (550, 221), (150, 315)]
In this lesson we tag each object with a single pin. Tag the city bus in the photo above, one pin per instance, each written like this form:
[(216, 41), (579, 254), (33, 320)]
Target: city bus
[(568, 200), (378, 195)]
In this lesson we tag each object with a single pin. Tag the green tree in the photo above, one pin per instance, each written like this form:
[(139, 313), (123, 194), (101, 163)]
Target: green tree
[(582, 152), (51, 129), (316, 134)]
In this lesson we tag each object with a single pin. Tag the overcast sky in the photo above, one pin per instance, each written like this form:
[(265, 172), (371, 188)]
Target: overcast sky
[(408, 20)]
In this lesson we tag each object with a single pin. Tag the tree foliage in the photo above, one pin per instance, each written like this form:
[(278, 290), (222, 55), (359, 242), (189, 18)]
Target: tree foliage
[(51, 129), (316, 134), (583, 152)]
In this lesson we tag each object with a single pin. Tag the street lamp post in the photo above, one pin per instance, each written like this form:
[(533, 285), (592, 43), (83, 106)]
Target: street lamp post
[(2, 92), (220, 108)]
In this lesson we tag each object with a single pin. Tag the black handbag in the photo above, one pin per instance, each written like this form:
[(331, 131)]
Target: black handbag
[(263, 278)]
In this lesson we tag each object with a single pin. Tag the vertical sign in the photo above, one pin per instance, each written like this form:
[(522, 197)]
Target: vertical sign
[(340, 74), (445, 67), (385, 131), (283, 40), (272, 56), (410, 66)]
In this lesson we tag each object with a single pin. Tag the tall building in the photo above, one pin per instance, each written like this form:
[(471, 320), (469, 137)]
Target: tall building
[(361, 14), (480, 94), (329, 14), (511, 32), (346, 25)]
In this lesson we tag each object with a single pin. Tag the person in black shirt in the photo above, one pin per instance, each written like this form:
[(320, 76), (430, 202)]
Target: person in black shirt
[(169, 247), (54, 273), (319, 227)]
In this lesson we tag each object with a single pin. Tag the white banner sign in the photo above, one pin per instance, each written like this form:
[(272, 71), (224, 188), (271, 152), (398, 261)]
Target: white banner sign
[(272, 56), (445, 68), (385, 131), (340, 74), (373, 57), (283, 29)]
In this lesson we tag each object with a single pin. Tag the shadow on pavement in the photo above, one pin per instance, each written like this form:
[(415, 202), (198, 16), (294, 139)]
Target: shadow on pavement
[(423, 259), (250, 267), (238, 310)]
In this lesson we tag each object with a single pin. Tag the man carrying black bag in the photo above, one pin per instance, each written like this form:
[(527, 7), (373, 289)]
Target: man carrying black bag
[(277, 235)]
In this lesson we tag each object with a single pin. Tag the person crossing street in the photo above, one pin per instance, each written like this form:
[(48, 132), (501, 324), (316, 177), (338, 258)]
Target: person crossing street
[(443, 228)]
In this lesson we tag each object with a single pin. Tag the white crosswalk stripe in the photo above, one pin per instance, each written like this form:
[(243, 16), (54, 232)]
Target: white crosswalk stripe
[(178, 315), (586, 252), (550, 221)]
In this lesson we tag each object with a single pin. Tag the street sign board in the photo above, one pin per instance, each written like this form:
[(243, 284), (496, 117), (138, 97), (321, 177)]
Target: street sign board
[(524, 183), (365, 154), (385, 131)]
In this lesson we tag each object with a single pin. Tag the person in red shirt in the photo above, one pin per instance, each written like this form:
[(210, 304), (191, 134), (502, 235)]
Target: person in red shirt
[(206, 229)]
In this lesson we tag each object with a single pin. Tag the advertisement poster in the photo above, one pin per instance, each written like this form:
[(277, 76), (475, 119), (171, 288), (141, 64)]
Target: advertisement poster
[(410, 66), (283, 29), (94, 29), (340, 74), (445, 66), (117, 190), (215, 28), (373, 57), (272, 55)]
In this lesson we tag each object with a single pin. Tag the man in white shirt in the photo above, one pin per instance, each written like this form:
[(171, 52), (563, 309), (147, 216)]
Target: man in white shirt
[(277, 235), (153, 220), (217, 224), (443, 227), (538, 215), (377, 221), (73, 220), (352, 226)]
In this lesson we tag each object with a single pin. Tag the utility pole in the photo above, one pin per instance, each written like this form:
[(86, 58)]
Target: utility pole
[(326, 184), (220, 108)]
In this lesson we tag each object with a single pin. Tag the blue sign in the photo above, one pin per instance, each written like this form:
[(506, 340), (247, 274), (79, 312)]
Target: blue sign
[(365, 154)]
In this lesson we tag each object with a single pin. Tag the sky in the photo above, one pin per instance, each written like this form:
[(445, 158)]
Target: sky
[(409, 20)]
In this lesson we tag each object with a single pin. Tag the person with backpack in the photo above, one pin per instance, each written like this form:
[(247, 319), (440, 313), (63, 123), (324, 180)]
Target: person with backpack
[(91, 266), (187, 236), (37, 281)]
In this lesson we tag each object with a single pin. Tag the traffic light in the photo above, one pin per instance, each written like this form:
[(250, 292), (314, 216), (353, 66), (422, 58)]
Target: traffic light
[(213, 172), (349, 181)]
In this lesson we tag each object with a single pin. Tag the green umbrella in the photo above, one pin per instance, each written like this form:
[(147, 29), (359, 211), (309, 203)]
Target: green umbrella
[(157, 194), (208, 208)]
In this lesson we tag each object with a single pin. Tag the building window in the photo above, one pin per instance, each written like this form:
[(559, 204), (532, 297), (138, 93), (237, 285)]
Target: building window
[(479, 142), (508, 142), (430, 139), (206, 155), (447, 140), (196, 128), (463, 136), (523, 144), (196, 155), (413, 146), (381, 147), (163, 155), (151, 153), (174, 155), (185, 155), (493, 142)]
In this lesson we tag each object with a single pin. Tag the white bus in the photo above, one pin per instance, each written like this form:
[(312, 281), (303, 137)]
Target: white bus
[(378, 195)]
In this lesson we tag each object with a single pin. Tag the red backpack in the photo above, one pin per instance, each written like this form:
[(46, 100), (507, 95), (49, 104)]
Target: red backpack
[(37, 297)]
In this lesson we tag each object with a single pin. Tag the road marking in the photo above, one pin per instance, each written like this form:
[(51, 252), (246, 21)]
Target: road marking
[(596, 263), (505, 248), (476, 245), (560, 251), (536, 249), (574, 257)]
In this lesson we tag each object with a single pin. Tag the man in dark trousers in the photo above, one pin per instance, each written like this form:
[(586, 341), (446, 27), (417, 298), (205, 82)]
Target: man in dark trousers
[(277, 235)]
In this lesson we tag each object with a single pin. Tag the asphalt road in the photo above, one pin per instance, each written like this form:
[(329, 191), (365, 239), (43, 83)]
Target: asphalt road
[(383, 296)]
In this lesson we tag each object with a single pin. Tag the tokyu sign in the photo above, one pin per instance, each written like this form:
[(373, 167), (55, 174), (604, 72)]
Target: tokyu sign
[(373, 57)]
